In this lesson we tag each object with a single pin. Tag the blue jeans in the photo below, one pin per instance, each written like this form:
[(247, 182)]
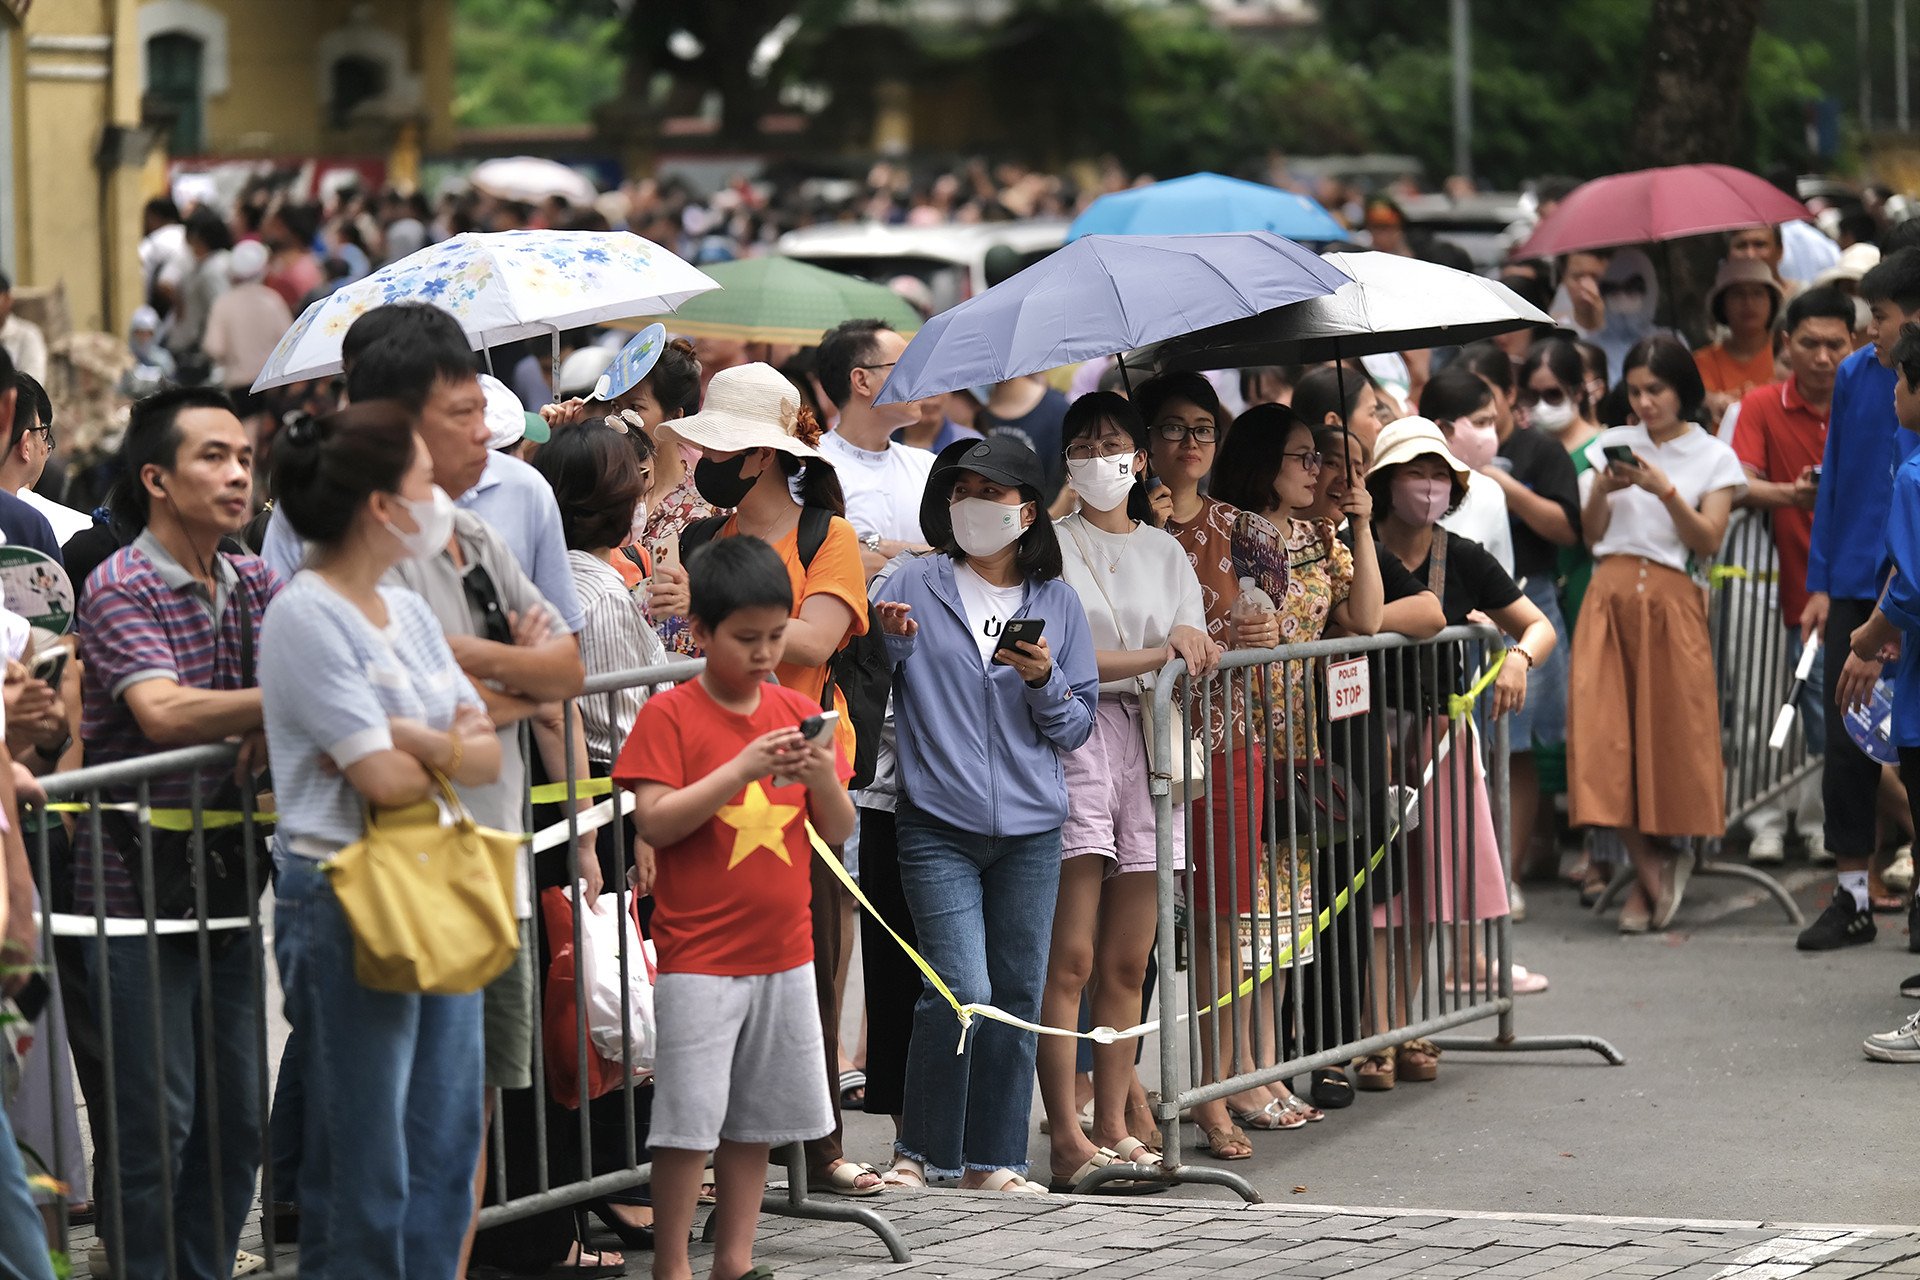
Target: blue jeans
[(212, 1106), (983, 907), (23, 1236), (393, 1104)]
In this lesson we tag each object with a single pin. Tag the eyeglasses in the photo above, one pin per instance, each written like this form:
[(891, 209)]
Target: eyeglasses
[(1179, 431), (46, 431), (1111, 447), (1309, 460), (888, 365), (1552, 395)]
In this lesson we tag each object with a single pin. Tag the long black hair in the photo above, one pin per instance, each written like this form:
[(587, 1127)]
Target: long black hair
[(1036, 555), (1668, 360), (1561, 359), (1083, 418), (1248, 463)]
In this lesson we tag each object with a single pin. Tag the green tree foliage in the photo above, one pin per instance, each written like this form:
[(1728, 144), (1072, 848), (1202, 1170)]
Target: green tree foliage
[(518, 62)]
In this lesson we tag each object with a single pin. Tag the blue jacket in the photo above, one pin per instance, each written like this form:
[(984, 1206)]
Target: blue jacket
[(1902, 601), (1848, 556), (978, 749)]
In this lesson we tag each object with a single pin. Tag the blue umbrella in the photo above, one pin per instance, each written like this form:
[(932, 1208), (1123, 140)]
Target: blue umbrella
[(1206, 202), (1101, 296)]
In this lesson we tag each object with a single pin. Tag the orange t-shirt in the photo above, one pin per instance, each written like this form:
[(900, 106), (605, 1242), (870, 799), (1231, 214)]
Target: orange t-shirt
[(1724, 375), (836, 572), (732, 898)]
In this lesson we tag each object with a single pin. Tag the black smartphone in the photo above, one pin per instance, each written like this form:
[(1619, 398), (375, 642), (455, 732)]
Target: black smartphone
[(1020, 631), (1621, 454), (1816, 473), (50, 665)]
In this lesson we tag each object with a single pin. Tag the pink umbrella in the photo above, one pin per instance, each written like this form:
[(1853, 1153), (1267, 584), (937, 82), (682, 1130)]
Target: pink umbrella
[(1660, 204)]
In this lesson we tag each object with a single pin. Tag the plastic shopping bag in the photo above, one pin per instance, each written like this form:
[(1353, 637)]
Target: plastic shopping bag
[(610, 1019), (559, 1024)]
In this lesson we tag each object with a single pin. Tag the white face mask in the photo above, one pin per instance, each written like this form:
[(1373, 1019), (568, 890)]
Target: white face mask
[(433, 525), (1553, 417), (982, 526), (1103, 483)]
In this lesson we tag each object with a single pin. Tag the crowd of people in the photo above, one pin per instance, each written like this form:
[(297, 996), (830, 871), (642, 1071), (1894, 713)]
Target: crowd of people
[(932, 633)]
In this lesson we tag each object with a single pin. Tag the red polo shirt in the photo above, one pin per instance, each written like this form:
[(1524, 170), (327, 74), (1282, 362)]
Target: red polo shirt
[(1777, 436)]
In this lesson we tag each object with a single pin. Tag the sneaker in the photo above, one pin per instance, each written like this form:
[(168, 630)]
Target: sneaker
[(1901, 1045), (1911, 987), (1899, 873), (1841, 925), (1768, 846)]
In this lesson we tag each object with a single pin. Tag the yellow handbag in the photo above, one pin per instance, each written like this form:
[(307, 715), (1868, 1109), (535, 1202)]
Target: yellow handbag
[(428, 893)]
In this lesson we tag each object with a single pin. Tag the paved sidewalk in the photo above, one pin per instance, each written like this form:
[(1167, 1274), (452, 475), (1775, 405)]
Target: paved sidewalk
[(976, 1236)]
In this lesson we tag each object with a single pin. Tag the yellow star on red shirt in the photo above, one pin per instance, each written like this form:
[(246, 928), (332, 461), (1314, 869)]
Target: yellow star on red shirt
[(758, 823)]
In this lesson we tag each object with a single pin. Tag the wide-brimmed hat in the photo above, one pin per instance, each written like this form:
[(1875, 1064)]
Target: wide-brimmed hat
[(1002, 459), (750, 406), (1405, 439), (1737, 271), (1855, 261)]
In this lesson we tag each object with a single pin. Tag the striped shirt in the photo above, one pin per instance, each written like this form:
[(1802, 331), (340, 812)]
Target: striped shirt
[(145, 617), (617, 637)]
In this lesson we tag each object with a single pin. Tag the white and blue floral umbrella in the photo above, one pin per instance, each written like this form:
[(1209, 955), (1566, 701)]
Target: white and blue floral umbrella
[(501, 286)]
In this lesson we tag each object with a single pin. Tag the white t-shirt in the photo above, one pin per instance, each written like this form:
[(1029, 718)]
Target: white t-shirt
[(1482, 516), (1136, 587), (1695, 463), (883, 489), (988, 607), (65, 520)]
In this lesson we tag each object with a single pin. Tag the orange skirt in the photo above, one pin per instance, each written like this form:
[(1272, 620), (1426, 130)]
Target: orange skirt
[(1643, 730)]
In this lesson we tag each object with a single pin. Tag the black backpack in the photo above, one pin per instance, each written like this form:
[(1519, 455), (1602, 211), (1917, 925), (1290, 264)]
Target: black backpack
[(860, 670)]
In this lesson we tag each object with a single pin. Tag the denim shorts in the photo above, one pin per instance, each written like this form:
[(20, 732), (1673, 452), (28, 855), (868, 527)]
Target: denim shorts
[(740, 1059), (1542, 722)]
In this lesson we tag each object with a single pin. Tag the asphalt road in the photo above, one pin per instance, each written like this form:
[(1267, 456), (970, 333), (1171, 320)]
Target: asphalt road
[(1744, 1095)]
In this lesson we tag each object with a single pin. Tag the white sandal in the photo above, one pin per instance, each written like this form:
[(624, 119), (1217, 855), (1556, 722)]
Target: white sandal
[(905, 1175), (844, 1179), (1009, 1181)]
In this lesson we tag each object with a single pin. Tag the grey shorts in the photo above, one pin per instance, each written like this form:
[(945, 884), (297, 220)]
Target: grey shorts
[(738, 1060), (508, 1025)]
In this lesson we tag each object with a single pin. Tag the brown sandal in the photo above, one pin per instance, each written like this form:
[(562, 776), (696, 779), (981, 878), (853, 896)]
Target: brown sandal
[(1374, 1073), (1222, 1141), (1407, 1067)]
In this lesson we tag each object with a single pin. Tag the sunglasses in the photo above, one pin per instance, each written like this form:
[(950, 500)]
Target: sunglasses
[(483, 602), (1552, 395)]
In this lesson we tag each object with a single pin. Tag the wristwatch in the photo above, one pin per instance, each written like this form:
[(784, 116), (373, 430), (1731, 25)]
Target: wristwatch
[(871, 541)]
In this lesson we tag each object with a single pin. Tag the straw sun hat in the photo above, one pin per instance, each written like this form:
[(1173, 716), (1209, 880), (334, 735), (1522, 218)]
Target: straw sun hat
[(750, 406), (1405, 439)]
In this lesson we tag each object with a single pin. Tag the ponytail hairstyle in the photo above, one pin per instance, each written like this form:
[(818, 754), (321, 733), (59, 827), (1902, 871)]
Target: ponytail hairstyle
[(1084, 418), (594, 468), (675, 379), (819, 482), (325, 469)]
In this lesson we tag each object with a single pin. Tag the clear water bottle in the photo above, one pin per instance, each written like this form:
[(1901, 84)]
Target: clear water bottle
[(1253, 605)]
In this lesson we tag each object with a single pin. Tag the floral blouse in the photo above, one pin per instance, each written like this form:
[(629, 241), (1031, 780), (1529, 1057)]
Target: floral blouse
[(667, 517), (1319, 577), (1226, 544)]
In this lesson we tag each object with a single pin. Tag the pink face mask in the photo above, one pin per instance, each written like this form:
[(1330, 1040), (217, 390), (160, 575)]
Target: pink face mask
[(1474, 445), (1421, 500)]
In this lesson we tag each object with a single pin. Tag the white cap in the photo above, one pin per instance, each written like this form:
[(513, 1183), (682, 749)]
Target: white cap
[(580, 372), (506, 417), (247, 261)]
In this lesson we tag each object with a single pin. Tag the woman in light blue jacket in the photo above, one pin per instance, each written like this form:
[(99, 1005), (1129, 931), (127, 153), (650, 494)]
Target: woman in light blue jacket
[(981, 727)]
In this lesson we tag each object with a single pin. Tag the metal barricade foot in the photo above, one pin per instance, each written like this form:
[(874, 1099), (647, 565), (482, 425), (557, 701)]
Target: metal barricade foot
[(1753, 875), (1169, 1176), (1533, 1044), (795, 1203)]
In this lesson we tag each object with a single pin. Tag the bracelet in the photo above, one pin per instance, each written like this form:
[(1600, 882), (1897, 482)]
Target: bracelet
[(459, 753), (1516, 649)]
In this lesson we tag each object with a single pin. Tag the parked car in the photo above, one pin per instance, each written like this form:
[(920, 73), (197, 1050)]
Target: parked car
[(952, 260)]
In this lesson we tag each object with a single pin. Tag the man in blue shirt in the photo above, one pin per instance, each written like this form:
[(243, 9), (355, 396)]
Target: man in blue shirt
[(1846, 569), (1896, 624)]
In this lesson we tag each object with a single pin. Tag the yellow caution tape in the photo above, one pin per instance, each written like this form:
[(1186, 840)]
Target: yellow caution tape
[(1461, 704), (1721, 574), (210, 819), (556, 792)]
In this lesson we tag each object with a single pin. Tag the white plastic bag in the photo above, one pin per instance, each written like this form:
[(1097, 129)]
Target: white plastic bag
[(598, 967)]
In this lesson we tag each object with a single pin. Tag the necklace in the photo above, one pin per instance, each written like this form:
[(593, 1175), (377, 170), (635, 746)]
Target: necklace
[(1113, 561)]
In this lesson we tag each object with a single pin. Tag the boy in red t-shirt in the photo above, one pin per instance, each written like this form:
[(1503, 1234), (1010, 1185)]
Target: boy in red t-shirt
[(724, 785)]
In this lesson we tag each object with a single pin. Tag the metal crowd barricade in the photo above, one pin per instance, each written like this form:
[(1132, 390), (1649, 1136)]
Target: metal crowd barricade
[(74, 949), (1753, 664), (1307, 956)]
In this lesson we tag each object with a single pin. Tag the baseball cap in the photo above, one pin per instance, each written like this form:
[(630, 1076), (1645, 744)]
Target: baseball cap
[(1002, 459)]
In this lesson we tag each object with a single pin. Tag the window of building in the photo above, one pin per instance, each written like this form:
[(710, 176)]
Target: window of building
[(353, 80), (175, 63)]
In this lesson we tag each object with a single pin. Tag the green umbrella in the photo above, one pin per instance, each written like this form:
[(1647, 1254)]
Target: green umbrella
[(775, 299)]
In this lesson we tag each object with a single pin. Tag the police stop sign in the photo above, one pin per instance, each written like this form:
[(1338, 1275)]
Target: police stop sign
[(1349, 691)]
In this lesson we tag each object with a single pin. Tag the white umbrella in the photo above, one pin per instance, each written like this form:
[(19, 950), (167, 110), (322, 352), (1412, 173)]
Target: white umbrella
[(531, 179), (1392, 304), (501, 286)]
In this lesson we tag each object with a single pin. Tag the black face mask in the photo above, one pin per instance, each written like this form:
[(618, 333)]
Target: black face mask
[(721, 482)]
